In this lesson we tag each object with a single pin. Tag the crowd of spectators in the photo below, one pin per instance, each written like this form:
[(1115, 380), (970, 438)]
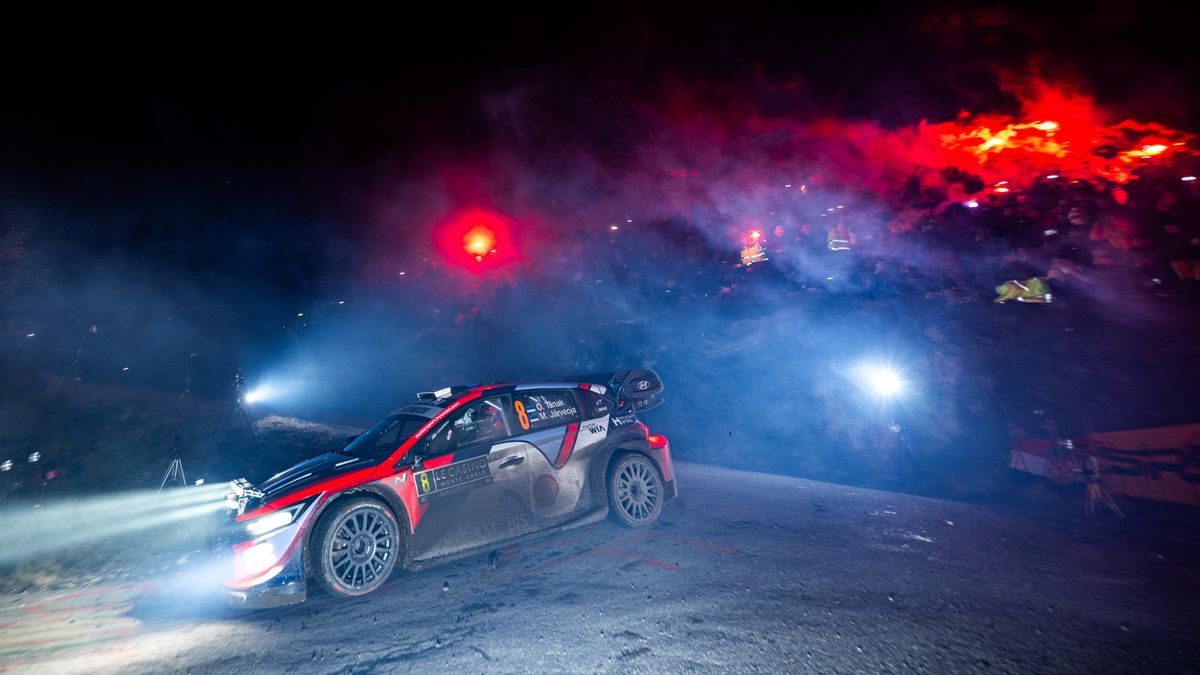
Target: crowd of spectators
[(1140, 237)]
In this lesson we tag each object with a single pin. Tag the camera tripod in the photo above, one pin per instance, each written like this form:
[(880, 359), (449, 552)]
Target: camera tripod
[(237, 413), (174, 472)]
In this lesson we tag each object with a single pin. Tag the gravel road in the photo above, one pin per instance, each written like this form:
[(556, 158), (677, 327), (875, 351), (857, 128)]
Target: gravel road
[(745, 572)]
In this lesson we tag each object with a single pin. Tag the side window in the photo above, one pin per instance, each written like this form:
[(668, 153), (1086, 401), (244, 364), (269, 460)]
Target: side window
[(478, 422), (383, 437), (535, 410), (594, 405)]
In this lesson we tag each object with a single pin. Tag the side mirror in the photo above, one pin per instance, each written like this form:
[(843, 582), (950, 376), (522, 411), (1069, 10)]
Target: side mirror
[(416, 454)]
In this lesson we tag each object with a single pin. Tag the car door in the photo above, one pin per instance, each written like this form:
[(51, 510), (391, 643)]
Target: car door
[(552, 423), (473, 481)]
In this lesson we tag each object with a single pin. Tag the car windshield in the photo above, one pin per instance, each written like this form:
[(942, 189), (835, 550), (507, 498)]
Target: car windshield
[(385, 436)]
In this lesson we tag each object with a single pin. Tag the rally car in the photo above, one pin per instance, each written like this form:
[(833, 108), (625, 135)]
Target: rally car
[(453, 473)]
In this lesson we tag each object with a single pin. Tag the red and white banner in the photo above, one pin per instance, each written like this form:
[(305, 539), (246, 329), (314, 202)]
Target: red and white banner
[(1161, 463)]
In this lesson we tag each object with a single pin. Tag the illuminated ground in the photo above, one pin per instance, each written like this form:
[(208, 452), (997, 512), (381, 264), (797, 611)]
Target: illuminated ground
[(745, 572)]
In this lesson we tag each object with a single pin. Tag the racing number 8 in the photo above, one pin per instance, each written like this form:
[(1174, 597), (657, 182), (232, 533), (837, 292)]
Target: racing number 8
[(521, 416)]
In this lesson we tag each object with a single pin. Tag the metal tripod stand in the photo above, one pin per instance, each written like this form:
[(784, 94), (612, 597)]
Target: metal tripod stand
[(237, 413), (174, 472)]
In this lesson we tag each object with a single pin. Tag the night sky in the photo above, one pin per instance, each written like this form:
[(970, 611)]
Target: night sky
[(143, 101)]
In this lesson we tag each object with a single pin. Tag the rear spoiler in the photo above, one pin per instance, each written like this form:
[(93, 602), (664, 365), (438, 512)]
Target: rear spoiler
[(638, 389)]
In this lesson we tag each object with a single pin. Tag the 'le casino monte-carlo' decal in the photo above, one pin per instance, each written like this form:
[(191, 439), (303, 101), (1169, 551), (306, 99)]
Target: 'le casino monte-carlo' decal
[(443, 479)]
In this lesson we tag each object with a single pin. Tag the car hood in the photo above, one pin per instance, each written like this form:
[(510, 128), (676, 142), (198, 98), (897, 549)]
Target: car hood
[(312, 471)]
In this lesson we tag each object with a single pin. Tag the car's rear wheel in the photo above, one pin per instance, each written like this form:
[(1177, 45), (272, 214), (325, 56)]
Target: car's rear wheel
[(355, 547), (635, 491)]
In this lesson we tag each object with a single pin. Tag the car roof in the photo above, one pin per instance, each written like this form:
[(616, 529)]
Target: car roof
[(425, 407)]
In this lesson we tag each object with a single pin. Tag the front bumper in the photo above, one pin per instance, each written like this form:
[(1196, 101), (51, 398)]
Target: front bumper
[(268, 570), (286, 588)]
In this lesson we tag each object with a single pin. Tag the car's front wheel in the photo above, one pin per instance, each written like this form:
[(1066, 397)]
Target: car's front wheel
[(355, 547), (635, 491)]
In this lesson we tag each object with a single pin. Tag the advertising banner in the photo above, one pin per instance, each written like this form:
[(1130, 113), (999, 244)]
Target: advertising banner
[(1162, 463)]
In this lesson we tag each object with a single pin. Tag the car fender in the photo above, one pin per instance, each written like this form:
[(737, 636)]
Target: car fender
[(600, 469), (376, 490)]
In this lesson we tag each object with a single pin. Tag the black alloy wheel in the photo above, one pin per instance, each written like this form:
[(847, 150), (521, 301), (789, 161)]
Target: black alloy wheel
[(355, 547), (635, 491)]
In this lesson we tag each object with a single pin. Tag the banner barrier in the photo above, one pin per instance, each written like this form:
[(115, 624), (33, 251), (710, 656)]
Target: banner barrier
[(1162, 463)]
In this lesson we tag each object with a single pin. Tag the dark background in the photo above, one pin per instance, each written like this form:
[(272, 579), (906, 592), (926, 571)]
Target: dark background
[(192, 181)]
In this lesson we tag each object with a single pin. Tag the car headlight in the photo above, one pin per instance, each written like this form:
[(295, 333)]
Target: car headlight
[(261, 525)]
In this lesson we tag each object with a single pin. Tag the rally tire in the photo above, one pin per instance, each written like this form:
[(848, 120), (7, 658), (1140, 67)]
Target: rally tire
[(355, 547), (635, 491)]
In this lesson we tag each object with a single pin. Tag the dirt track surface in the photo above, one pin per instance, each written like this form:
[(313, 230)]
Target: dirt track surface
[(746, 572)]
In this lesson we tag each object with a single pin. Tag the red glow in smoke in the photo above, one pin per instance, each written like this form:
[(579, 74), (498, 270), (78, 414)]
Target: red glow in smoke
[(998, 148), (733, 154), (712, 155), (479, 241), (476, 239)]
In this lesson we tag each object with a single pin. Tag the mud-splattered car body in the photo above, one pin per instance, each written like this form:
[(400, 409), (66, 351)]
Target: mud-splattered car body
[(451, 474)]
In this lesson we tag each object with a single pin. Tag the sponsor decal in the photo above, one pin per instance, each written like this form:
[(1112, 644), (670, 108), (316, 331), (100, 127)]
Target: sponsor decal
[(600, 406), (545, 490), (451, 477), (437, 418), (494, 528), (421, 410), (622, 420), (590, 433)]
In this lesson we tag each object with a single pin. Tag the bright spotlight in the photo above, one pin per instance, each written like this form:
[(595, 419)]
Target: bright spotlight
[(272, 390), (479, 240), (882, 381)]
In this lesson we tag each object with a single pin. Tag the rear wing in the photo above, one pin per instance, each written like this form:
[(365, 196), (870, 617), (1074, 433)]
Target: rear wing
[(636, 389)]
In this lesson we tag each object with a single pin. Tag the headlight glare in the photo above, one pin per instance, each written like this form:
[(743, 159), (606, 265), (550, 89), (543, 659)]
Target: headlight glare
[(258, 557), (273, 521)]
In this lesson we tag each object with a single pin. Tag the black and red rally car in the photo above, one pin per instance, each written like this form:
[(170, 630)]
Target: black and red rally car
[(451, 474)]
